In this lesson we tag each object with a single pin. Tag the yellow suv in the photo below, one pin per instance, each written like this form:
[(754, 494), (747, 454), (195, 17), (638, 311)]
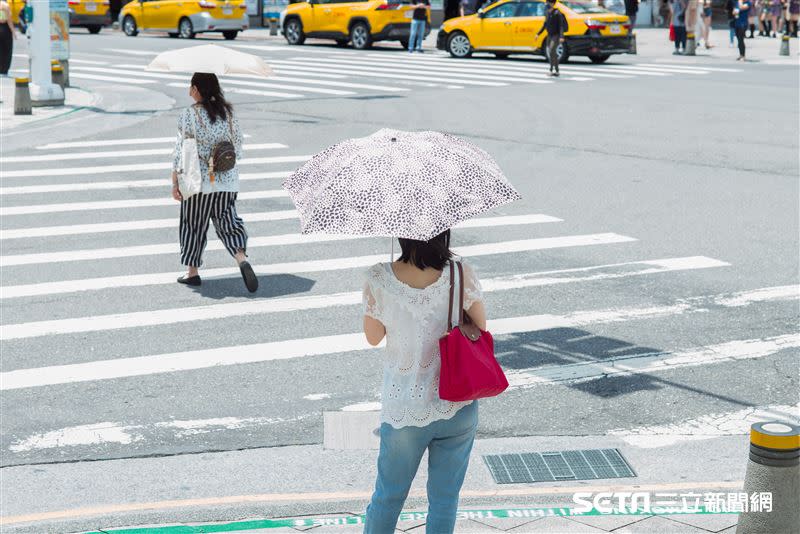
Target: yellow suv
[(184, 18), (358, 22), (510, 27)]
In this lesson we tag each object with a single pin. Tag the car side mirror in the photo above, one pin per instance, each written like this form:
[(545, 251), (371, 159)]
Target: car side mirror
[(481, 13)]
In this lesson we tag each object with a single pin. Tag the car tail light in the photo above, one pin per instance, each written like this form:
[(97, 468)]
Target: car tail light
[(384, 7), (242, 6), (594, 24), (205, 4), (73, 2), (626, 26)]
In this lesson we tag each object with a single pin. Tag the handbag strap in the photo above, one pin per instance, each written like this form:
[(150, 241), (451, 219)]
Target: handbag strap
[(452, 294)]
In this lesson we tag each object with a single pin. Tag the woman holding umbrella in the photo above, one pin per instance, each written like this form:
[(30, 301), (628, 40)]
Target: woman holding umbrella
[(212, 126), (210, 121), (414, 186)]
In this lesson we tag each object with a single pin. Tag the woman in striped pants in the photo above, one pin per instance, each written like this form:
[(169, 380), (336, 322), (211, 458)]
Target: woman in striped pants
[(210, 121)]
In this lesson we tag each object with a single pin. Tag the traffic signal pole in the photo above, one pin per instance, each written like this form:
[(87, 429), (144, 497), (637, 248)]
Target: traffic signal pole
[(43, 91)]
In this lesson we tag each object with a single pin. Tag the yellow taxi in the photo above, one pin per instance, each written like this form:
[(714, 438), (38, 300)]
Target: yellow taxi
[(89, 14), (510, 27), (184, 18), (359, 23)]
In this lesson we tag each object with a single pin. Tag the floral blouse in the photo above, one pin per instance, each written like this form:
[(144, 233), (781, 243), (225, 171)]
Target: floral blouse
[(195, 122), (415, 319)]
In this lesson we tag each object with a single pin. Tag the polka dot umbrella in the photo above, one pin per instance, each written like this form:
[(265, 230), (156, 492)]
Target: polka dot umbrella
[(394, 183)]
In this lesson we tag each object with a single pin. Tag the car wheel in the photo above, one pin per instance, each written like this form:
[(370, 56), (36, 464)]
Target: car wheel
[(94, 29), (186, 28), (360, 37), (404, 43), (563, 53), (459, 46), (501, 55), (129, 27), (230, 35), (599, 59), (293, 29)]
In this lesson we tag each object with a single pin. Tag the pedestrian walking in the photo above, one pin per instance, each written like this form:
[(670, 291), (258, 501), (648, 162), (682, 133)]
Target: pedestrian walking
[(707, 14), (752, 17), (555, 24), (631, 9), (773, 17), (7, 36), (211, 123), (679, 23), (793, 18), (730, 9), (466, 7), (419, 21), (742, 13)]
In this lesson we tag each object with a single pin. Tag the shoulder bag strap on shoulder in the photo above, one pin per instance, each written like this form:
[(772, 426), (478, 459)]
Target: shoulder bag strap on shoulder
[(230, 127), (450, 307), (460, 293)]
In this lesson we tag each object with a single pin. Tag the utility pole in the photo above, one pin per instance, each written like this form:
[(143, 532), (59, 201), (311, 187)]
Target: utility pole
[(43, 91)]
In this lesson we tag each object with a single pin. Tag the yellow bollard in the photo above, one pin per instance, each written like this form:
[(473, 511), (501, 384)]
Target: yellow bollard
[(57, 75), (22, 97), (774, 469)]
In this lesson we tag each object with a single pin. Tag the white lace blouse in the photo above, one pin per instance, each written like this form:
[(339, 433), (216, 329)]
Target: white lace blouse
[(415, 319)]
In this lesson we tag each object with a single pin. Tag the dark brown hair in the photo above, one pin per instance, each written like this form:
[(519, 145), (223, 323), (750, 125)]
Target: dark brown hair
[(213, 101), (432, 253)]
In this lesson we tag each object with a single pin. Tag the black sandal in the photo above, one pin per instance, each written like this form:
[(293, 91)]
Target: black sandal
[(190, 280), (249, 276)]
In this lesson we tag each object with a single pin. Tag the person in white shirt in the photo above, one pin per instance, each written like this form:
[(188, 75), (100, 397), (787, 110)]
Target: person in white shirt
[(406, 302)]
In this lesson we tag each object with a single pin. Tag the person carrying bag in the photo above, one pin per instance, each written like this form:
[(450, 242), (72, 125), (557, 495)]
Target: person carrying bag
[(205, 179)]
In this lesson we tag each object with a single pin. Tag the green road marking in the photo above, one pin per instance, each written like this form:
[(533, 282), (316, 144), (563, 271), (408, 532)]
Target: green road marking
[(342, 520)]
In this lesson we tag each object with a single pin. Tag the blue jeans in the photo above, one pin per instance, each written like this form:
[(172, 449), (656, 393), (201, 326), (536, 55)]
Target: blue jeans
[(449, 443), (417, 35)]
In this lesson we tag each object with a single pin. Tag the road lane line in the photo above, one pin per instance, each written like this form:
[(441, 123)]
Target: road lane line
[(96, 254), (265, 85), (394, 74), (126, 184), (343, 343), (123, 204), (119, 153), (129, 226), (118, 321), (135, 167), (685, 67), (260, 216), (74, 73), (108, 142), (300, 267), (229, 500), (486, 74)]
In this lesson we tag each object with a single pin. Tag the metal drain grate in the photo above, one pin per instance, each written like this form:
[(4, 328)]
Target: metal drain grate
[(551, 466)]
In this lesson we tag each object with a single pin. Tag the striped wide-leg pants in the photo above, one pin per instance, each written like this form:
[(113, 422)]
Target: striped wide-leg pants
[(196, 211)]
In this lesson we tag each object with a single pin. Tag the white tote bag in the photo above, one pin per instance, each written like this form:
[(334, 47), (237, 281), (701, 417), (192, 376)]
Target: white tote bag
[(190, 179)]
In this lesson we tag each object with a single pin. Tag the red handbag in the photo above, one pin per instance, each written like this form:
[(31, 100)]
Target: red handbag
[(672, 33), (469, 369)]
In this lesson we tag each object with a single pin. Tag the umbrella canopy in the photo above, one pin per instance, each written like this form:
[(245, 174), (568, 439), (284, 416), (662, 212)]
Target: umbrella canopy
[(394, 183), (209, 58)]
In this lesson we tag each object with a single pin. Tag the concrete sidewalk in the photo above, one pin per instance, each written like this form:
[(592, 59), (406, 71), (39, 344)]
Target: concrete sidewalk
[(75, 99), (300, 481)]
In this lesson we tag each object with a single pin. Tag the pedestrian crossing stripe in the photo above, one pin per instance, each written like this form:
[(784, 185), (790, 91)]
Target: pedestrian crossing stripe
[(303, 267), (292, 304), (138, 366), (136, 167), (342, 520), (122, 184), (98, 154), (77, 74)]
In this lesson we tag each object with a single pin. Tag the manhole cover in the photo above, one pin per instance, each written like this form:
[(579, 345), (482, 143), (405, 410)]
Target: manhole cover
[(564, 465)]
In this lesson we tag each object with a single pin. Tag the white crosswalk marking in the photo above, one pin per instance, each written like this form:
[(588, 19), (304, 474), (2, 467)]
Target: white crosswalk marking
[(119, 153), (77, 74), (303, 267), (282, 305), (315, 346), (135, 167)]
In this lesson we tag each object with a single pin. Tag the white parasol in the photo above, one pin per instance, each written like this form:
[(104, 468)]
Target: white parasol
[(209, 58)]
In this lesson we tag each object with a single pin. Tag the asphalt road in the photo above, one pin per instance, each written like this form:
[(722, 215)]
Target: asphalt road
[(669, 246)]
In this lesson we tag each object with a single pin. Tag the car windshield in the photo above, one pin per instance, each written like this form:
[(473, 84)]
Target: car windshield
[(583, 7)]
